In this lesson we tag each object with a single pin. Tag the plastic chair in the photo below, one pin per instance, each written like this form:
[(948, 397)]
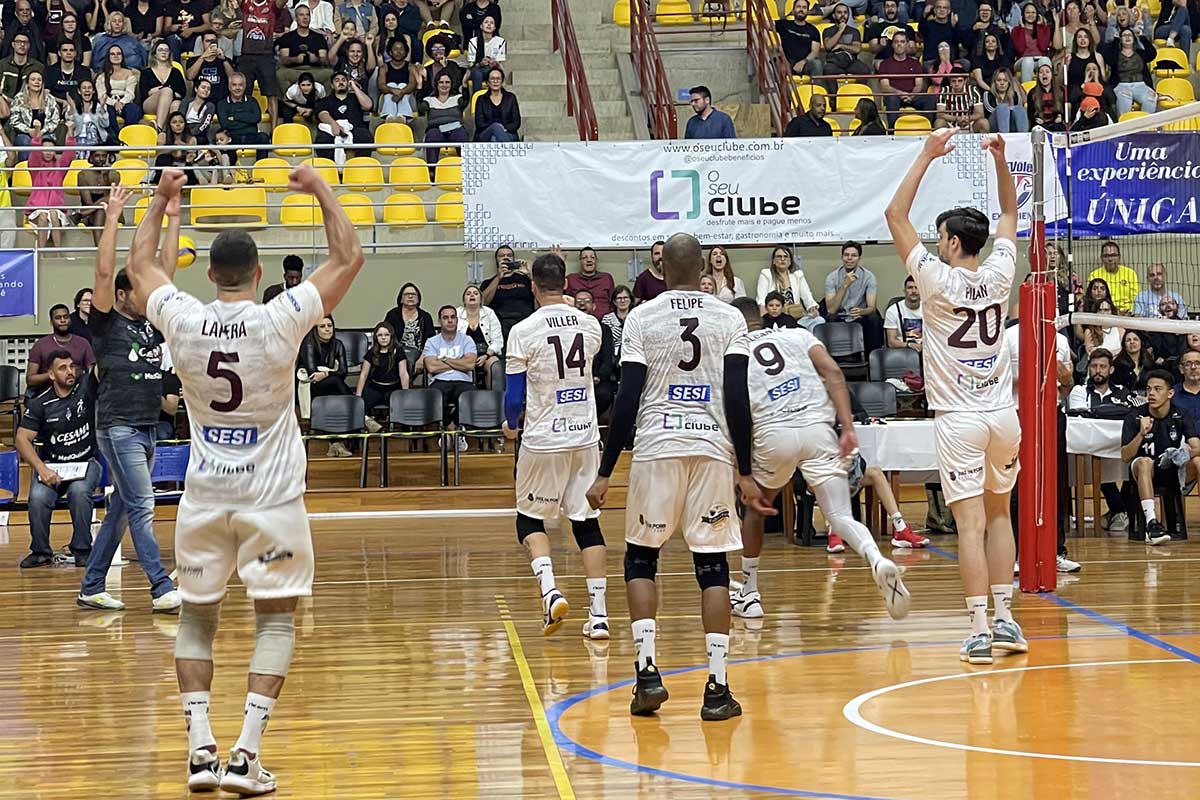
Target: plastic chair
[(475, 99), (834, 125), (673, 12), (10, 394), (10, 479), (893, 362), (334, 414), (71, 181), (448, 211), (1175, 66), (404, 210), (1133, 115), (221, 207), (844, 341), (292, 140), (139, 211), (21, 180), (848, 96), (300, 211), (620, 13), (272, 174), (1174, 92), (170, 466), (363, 173), (390, 138), (448, 174), (805, 92), (409, 172), (359, 209), (131, 171), (877, 399), (912, 125), (141, 139), (326, 168), (417, 411), (478, 410)]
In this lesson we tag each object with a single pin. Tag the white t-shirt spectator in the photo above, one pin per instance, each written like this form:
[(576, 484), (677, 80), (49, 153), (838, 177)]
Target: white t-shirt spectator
[(908, 322), (461, 345), (496, 49), (1012, 341)]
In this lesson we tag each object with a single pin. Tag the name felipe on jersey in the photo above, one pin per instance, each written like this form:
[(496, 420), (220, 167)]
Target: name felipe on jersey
[(233, 437), (689, 393), (578, 394)]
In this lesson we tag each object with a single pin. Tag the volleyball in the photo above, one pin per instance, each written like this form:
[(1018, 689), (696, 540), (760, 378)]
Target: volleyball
[(187, 252)]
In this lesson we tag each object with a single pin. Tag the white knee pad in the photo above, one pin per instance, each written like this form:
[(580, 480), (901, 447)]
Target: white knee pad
[(197, 629), (274, 639)]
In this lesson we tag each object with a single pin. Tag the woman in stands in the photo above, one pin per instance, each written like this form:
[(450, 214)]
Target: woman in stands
[(785, 276), (34, 113), (1083, 54), (351, 56), (323, 367), (623, 302), (91, 119), (497, 113), (174, 133), (987, 59), (483, 326), (485, 50), (1031, 42), (384, 370), (201, 112), (1130, 57), (301, 98), (160, 86), (1097, 290), (708, 285), (397, 83), (1133, 362), (411, 323), (1093, 336), (728, 285), (117, 85), (71, 32), (1044, 104), (443, 112), (1004, 103), (869, 122), (1069, 283), (474, 12)]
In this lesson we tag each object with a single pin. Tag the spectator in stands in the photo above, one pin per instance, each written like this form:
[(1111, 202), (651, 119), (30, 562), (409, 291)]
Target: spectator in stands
[(213, 166), (34, 114), (359, 13), (1094, 87), (941, 25), (22, 23), (589, 278), (303, 51), (46, 207), (412, 324), (65, 74), (1121, 280), (321, 16), (449, 360), (116, 36), (397, 83), (707, 284), (1177, 23), (651, 283), (443, 112), (903, 323), (774, 316), (811, 122), (473, 13), (293, 274), (1069, 283), (483, 326), (1147, 302), (850, 293), (801, 41), (903, 87), (354, 58), (1004, 103), (143, 18), (342, 118), (400, 18), (1134, 362), (67, 439), (509, 291), (960, 105), (986, 24), (869, 122), (1129, 57), (38, 367), (229, 34), (238, 115), (439, 63), (1073, 19), (117, 86), (497, 113), (79, 317), (160, 85), (622, 300), (1187, 392), (728, 286), (212, 67), (841, 43), (1167, 347), (301, 100), (1092, 396), (1083, 52), (986, 59), (1107, 337), (882, 27), (384, 370), (484, 51), (1045, 101), (260, 25), (785, 277), (1097, 290), (94, 183), (186, 21), (323, 359), (16, 66), (175, 134), (73, 32), (200, 113), (709, 121), (1031, 42), (604, 363)]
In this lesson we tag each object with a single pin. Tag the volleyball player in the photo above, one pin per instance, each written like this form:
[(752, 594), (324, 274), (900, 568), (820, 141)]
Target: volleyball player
[(797, 391), (968, 382), (243, 503), (683, 380), (549, 366)]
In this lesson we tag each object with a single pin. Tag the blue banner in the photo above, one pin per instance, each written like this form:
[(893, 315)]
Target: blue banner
[(18, 283), (1143, 183)]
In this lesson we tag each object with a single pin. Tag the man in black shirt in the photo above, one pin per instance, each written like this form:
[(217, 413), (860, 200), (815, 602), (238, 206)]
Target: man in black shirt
[(509, 292), (939, 26), (1156, 440), (799, 39), (811, 122), (348, 104), (302, 50), (62, 418), (129, 365), (62, 78), (79, 317), (293, 274), (211, 66)]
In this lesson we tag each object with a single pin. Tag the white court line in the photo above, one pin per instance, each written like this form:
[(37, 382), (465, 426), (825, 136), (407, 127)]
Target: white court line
[(853, 713), (442, 512)]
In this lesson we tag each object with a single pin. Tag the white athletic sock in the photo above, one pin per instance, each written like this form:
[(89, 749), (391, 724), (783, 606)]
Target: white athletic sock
[(258, 711), (195, 711), (977, 611), (643, 640), (749, 575), (1002, 599), (1149, 510), (544, 570), (898, 520), (597, 607), (718, 655)]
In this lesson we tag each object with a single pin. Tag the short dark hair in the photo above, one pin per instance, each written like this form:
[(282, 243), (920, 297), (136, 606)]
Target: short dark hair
[(657, 243), (853, 244), (1100, 352), (293, 263), (55, 355), (549, 273), (702, 91), (583, 250), (747, 306), (909, 279), (415, 288), (443, 308), (66, 43), (774, 296), (56, 307), (233, 258), (79, 295), (1112, 244), (121, 283), (588, 292), (970, 225), (1162, 375)]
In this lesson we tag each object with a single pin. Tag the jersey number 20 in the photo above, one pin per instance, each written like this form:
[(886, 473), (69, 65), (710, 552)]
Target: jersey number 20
[(216, 360), (987, 336)]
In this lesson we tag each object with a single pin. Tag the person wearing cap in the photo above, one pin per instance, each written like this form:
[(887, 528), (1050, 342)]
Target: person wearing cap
[(960, 105), (1090, 116)]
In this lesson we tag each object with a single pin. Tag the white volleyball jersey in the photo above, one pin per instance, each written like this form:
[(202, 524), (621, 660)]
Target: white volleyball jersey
[(967, 366), (683, 338), (785, 389), (237, 363), (555, 347)]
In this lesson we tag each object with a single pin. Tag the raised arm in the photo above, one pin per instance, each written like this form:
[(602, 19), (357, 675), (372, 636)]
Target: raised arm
[(333, 278), (106, 252), (1006, 190), (904, 235), (142, 263)]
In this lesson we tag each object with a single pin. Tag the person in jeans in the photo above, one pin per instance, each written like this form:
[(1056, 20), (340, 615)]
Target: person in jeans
[(62, 418), (129, 363)]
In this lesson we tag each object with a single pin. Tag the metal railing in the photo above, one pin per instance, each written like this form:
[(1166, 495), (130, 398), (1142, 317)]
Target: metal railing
[(579, 97), (770, 66), (652, 76)]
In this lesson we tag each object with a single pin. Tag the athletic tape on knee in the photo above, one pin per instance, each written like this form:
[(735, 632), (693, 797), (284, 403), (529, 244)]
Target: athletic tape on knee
[(712, 569), (640, 562), (274, 639), (587, 533), (527, 525), (197, 629)]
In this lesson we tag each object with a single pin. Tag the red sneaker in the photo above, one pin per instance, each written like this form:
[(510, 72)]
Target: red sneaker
[(904, 537), (835, 544)]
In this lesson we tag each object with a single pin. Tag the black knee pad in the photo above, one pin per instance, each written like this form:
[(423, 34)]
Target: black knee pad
[(587, 533), (640, 562), (712, 569), (527, 525)]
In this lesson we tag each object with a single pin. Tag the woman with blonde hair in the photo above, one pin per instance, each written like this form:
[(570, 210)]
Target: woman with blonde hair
[(483, 326), (785, 276), (728, 285)]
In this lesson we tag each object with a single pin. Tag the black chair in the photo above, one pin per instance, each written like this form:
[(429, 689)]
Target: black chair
[(10, 394), (1174, 514), (893, 362), (356, 344), (844, 341), (478, 410), (417, 411), (334, 414), (877, 399)]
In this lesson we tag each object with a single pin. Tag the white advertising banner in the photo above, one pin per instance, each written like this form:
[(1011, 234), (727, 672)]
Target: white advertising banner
[(736, 191)]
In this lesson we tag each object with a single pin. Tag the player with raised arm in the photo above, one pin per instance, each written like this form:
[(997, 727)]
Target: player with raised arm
[(549, 364), (968, 381), (797, 392), (683, 380), (243, 502)]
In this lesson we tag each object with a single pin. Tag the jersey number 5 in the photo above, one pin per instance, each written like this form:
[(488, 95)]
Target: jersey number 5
[(216, 370), (986, 335), (574, 356)]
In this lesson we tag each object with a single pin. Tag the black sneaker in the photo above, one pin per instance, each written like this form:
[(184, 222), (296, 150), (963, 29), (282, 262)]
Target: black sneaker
[(1156, 534), (34, 560), (649, 692), (718, 702), (81, 559)]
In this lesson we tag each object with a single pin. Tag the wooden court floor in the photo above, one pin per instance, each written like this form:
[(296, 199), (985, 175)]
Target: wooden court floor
[(421, 672)]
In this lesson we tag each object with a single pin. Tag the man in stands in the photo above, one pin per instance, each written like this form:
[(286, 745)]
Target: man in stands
[(650, 284), (590, 279), (882, 26), (709, 122), (1187, 393), (1148, 303), (322, 18), (939, 26), (214, 66), (850, 293), (604, 364), (23, 22), (811, 122), (293, 274), (449, 361), (345, 114), (903, 88), (63, 77), (17, 65), (79, 317), (510, 291), (1122, 281), (902, 322), (239, 116), (801, 41), (842, 43), (302, 50), (260, 21), (959, 105), (37, 371), (1098, 392)]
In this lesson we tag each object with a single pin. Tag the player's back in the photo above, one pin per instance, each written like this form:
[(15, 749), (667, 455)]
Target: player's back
[(785, 389), (966, 363), (683, 338), (555, 348)]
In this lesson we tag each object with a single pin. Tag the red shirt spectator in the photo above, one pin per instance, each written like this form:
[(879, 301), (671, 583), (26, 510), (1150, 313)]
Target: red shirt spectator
[(898, 67), (600, 284), (259, 21)]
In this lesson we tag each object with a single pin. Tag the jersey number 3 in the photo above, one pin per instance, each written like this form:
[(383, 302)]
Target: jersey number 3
[(987, 336), (216, 360)]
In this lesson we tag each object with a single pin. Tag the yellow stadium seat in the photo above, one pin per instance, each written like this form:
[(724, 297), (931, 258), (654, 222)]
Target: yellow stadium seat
[(71, 181), (1197, 67), (359, 209), (804, 93), (326, 168), (1175, 56), (264, 115), (131, 171), (620, 12), (1189, 124), (1028, 85), (390, 134), (834, 124), (138, 136), (912, 125), (272, 174), (475, 98), (449, 210), (673, 12), (363, 173), (404, 209), (848, 96), (300, 211), (1133, 115), (773, 9), (292, 140), (139, 211), (854, 124), (21, 181), (800, 80), (220, 207), (409, 172), (1173, 92), (449, 173)]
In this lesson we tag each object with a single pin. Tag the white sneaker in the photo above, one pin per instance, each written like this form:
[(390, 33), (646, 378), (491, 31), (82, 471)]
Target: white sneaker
[(1119, 523), (892, 588), (204, 770), (747, 605), (596, 628), (1067, 565), (372, 425), (168, 603), (1017, 567), (554, 611), (244, 775), (102, 600)]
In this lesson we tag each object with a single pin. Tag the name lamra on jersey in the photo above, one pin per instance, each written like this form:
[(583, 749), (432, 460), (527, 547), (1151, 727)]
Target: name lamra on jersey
[(227, 330)]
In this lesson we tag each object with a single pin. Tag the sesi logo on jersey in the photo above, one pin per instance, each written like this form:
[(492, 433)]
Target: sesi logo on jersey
[(784, 389), (234, 437), (575, 395), (689, 393)]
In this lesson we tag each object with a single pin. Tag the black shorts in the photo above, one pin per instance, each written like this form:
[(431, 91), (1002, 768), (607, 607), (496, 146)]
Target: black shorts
[(259, 67)]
